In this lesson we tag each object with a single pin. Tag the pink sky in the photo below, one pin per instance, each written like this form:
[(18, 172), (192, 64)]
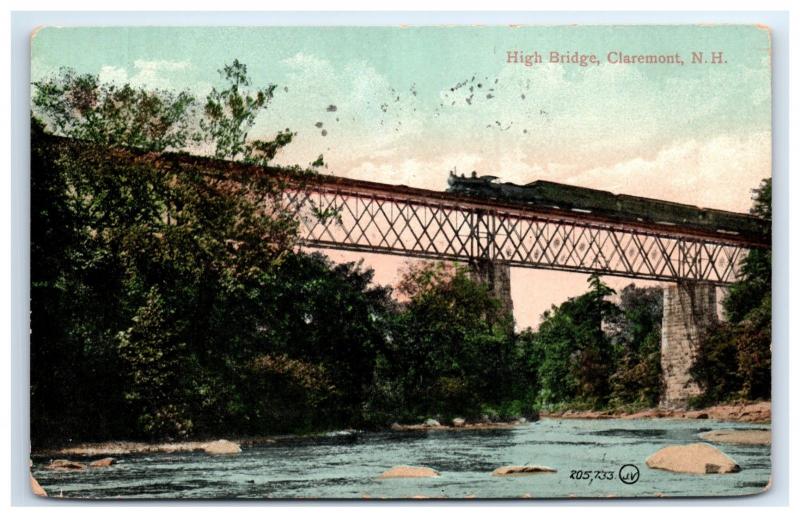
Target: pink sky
[(717, 173)]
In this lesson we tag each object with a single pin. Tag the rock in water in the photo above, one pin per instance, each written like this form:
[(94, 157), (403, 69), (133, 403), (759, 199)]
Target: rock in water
[(404, 471), (222, 446), (459, 422), (515, 470), (36, 488), (65, 465), (696, 415), (739, 437), (430, 422), (697, 458), (101, 463)]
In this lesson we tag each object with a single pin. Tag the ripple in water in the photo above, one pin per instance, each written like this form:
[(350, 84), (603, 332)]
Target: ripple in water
[(346, 465)]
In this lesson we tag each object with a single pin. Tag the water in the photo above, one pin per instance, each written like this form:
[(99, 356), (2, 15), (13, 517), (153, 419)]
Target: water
[(347, 465)]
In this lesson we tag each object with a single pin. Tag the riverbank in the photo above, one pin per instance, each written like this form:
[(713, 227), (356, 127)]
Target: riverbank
[(760, 412), (123, 448)]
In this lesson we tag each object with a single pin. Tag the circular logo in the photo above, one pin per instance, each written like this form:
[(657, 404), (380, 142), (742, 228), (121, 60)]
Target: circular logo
[(628, 474)]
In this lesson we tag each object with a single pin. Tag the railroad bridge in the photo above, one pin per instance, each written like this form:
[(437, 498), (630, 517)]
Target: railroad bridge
[(544, 225)]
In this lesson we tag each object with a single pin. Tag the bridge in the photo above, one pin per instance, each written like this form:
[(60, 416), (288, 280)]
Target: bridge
[(400, 220), (570, 229), (492, 227)]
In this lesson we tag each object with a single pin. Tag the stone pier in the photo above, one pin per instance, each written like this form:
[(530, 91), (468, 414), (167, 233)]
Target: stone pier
[(497, 277), (690, 309)]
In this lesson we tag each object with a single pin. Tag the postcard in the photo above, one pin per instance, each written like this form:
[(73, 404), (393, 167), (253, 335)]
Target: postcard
[(400, 262)]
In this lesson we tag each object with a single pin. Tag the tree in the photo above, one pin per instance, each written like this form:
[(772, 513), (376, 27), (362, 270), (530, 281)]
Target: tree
[(231, 113), (576, 355), (553, 347), (754, 284), (132, 257), (300, 325), (450, 351), (734, 361), (595, 354), (636, 336), (81, 107)]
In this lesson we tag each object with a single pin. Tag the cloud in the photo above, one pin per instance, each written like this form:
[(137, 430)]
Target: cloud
[(147, 73), (425, 174), (716, 173), (113, 74)]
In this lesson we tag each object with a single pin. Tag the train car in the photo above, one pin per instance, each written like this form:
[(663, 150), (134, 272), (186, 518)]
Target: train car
[(544, 194)]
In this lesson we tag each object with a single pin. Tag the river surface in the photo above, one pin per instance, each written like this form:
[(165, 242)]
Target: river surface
[(347, 465)]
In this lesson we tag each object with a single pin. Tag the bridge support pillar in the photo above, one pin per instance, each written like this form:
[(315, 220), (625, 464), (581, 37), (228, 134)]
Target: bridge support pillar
[(690, 309), (497, 277)]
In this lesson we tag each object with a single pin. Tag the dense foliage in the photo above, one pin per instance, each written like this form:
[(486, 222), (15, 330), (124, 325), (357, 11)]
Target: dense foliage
[(452, 352), (143, 271), (170, 301), (591, 352), (735, 359)]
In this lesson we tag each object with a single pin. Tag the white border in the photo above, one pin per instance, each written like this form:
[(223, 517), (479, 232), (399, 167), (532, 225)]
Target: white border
[(15, 263)]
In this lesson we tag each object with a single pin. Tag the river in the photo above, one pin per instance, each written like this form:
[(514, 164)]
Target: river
[(347, 465)]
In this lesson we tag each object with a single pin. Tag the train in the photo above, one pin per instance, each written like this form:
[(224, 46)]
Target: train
[(619, 207)]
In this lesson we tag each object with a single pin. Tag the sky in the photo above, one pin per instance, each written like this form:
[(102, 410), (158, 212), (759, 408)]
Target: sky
[(405, 105)]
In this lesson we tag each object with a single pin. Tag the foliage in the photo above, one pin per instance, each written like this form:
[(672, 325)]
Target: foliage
[(131, 261), (734, 360), (636, 334), (452, 347), (576, 354), (157, 363), (79, 106), (231, 113), (748, 292)]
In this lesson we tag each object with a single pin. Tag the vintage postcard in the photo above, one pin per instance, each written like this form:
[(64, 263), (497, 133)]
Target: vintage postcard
[(400, 262)]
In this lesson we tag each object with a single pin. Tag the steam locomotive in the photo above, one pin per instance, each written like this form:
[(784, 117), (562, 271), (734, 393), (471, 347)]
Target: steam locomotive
[(543, 194)]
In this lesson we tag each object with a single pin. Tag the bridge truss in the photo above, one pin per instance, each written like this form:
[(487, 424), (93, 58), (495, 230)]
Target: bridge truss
[(371, 217)]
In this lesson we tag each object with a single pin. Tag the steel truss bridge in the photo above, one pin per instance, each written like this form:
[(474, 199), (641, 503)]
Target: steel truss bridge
[(353, 215), (345, 214)]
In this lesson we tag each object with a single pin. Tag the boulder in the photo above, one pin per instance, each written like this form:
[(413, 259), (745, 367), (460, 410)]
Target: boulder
[(459, 422), (36, 488), (404, 471), (522, 420), (519, 470), (739, 437), (65, 465), (697, 458), (101, 463), (222, 446), (396, 426), (430, 422)]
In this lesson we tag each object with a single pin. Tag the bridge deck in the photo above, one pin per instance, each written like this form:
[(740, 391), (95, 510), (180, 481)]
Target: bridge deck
[(360, 188), (356, 215)]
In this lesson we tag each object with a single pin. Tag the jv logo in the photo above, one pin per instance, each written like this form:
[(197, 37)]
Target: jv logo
[(629, 474)]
